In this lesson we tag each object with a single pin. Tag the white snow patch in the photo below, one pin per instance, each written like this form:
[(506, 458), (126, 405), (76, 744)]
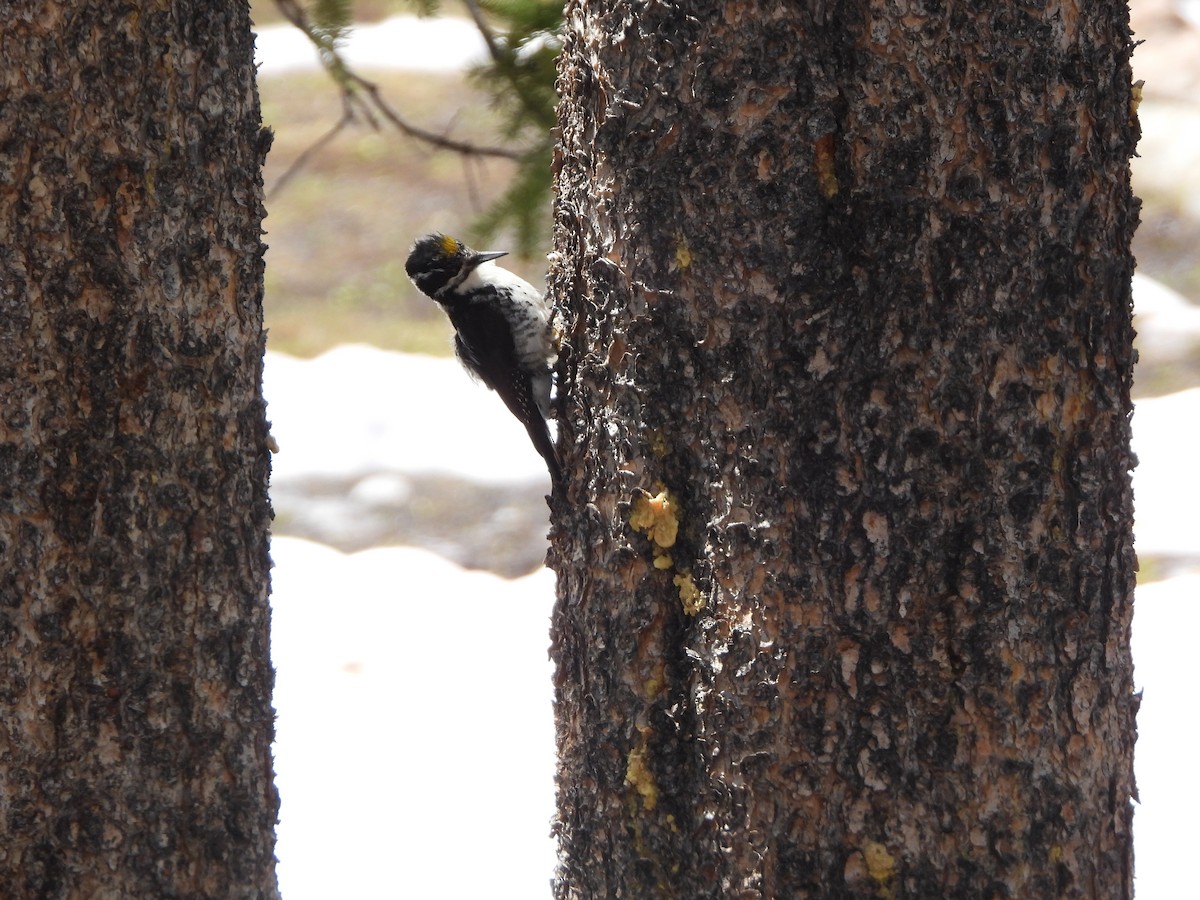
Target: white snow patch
[(1166, 622), (358, 410), (1168, 325), (1169, 152), (414, 724), (402, 42), (1166, 489)]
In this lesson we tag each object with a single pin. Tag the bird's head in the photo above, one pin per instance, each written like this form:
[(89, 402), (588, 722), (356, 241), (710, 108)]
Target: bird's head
[(438, 263)]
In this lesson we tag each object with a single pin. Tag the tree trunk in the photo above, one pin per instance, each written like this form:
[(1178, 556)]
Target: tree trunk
[(845, 558), (135, 696)]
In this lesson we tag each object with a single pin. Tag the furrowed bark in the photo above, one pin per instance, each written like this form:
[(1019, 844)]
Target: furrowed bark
[(135, 680), (851, 283)]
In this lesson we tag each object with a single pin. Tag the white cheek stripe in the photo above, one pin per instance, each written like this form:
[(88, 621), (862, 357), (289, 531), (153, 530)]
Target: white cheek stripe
[(498, 277)]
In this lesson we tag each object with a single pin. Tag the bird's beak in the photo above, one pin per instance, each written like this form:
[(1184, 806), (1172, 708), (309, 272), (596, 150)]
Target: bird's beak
[(487, 255)]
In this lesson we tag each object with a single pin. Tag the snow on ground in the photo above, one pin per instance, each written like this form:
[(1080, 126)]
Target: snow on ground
[(357, 410), (1168, 326), (403, 42), (1165, 624), (1167, 152), (1166, 491), (414, 728)]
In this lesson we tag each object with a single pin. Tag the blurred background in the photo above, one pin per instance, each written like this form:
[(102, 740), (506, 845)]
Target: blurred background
[(410, 603)]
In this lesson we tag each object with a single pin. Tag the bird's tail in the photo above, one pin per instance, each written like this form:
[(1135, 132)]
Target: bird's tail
[(539, 433)]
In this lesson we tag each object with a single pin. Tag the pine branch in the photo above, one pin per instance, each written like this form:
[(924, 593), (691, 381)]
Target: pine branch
[(504, 58)]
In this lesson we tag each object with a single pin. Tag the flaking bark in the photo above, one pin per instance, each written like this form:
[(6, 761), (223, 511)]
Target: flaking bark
[(135, 682), (852, 283)]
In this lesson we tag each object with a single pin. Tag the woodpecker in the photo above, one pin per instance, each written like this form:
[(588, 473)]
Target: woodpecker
[(502, 330)]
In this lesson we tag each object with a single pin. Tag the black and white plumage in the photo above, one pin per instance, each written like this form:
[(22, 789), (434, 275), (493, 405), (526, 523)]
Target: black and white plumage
[(503, 334)]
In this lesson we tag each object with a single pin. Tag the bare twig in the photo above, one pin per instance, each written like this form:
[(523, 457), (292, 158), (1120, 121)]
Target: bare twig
[(437, 140), (363, 97), (468, 163), (302, 160)]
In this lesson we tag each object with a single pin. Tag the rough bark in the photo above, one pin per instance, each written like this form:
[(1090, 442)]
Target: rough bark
[(852, 282), (135, 681)]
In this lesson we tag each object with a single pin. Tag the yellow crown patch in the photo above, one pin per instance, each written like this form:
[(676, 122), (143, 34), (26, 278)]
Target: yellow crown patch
[(450, 246)]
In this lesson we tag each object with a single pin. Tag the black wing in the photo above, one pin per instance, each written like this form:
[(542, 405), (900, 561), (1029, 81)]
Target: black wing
[(484, 344)]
